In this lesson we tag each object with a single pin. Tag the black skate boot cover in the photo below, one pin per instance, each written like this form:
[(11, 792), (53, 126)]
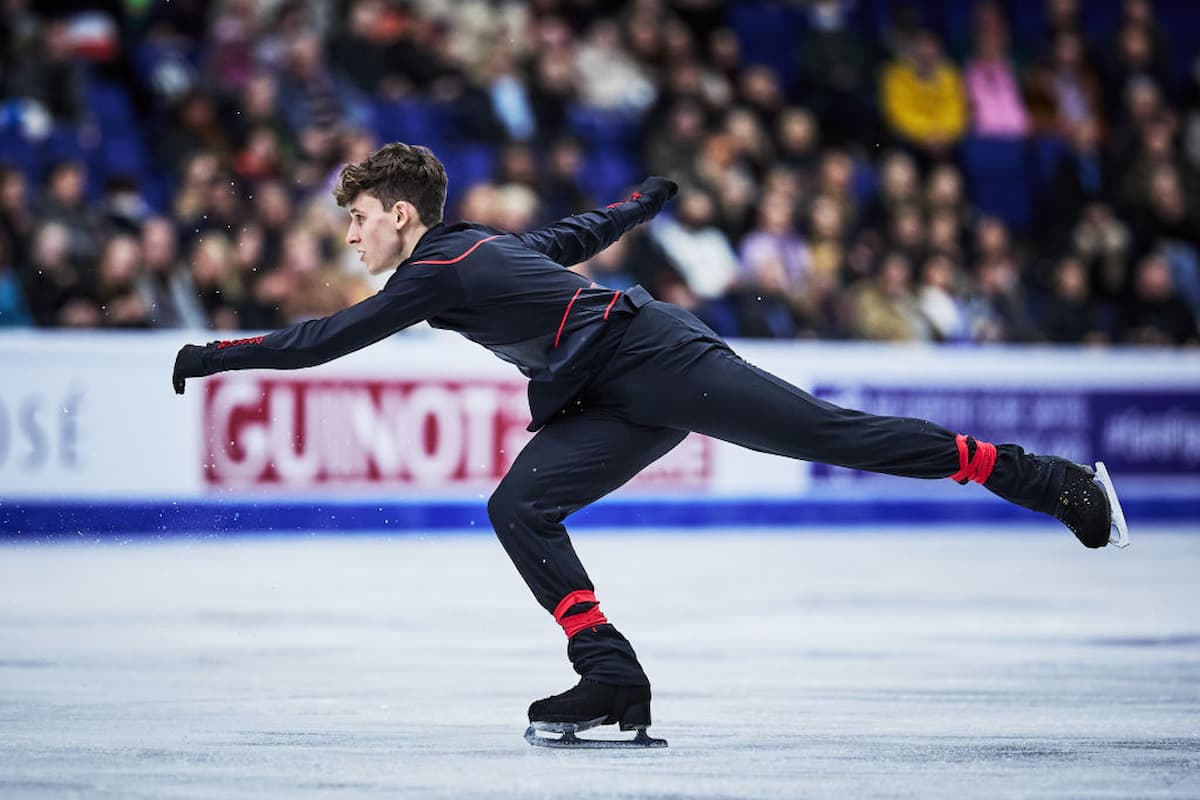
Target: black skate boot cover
[(1083, 507), (589, 701)]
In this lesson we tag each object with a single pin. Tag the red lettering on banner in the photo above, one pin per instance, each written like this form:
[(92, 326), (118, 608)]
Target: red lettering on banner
[(281, 433)]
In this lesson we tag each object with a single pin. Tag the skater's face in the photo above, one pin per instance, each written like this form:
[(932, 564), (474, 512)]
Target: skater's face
[(376, 233)]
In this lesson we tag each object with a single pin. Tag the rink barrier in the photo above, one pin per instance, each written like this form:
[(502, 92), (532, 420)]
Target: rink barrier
[(415, 432), (55, 519)]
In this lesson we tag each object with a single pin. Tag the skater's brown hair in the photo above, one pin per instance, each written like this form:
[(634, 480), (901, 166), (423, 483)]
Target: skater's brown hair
[(397, 172)]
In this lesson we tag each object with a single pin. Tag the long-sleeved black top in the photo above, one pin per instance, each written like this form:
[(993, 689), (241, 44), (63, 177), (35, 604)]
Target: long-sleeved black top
[(507, 291)]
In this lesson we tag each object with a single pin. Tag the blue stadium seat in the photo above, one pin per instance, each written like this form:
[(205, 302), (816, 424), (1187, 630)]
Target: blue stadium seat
[(864, 183), (63, 144), (18, 152), (608, 174), (998, 180), (110, 104), (768, 33), (1047, 153), (413, 121), (466, 165), (598, 127)]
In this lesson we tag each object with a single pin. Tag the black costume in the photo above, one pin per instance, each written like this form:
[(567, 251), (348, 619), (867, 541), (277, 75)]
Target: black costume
[(617, 379)]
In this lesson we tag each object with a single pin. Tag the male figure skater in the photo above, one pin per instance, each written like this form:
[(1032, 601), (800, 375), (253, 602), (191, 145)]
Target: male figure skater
[(616, 379)]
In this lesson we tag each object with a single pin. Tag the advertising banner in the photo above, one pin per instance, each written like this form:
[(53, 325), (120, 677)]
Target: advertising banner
[(420, 428)]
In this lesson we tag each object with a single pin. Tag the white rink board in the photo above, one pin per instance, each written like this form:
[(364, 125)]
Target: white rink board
[(92, 415)]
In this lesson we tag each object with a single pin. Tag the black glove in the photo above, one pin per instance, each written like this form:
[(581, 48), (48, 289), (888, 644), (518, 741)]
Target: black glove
[(188, 364), (661, 189)]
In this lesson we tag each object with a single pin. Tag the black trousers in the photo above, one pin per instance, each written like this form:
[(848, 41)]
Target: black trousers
[(671, 375)]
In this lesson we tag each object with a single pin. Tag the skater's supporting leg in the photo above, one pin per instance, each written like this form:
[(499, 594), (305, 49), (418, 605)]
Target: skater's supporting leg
[(575, 460)]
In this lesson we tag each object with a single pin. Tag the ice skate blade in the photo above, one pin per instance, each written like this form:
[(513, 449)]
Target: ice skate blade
[(1118, 534), (566, 727), (569, 741)]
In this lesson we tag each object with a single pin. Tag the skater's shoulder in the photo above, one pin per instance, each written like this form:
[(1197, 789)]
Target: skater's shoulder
[(452, 243)]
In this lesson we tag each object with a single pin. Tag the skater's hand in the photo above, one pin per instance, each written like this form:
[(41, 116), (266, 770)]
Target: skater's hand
[(188, 364), (661, 189)]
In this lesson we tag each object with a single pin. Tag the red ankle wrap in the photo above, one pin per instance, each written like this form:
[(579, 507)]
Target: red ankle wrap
[(977, 469), (574, 623)]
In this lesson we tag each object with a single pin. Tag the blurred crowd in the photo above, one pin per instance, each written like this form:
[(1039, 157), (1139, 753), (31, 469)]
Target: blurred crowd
[(960, 172)]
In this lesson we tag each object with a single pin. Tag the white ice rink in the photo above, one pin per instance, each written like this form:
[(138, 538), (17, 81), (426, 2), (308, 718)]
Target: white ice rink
[(829, 664)]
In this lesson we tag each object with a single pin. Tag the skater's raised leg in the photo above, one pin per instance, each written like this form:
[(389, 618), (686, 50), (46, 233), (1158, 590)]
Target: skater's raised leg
[(576, 459), (704, 386)]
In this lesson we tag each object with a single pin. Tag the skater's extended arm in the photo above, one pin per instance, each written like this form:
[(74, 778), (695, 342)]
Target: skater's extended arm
[(415, 293), (577, 238)]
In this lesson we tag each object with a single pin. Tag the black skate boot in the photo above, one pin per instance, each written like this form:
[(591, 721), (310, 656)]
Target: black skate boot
[(1081, 498), (1084, 506), (587, 705)]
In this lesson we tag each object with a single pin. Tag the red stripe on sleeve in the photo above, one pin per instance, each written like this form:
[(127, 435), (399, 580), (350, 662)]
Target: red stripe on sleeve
[(566, 314)]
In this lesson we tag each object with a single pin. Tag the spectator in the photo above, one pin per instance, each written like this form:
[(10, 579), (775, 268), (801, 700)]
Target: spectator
[(511, 103), (1155, 314), (50, 75), (1063, 91), (1069, 316), (165, 287), (1104, 244), (258, 110), (673, 147), (923, 99), (899, 186), (235, 29), (697, 248), (886, 309), (720, 172), (608, 77), (797, 140), (49, 279), (997, 108), (828, 232), (14, 311), (759, 89), (1079, 180), (216, 282), (998, 311), (559, 188), (1170, 224), (939, 300), (17, 219), (65, 202), (118, 275), (313, 97), (774, 267), (834, 70), (944, 191), (1137, 54), (1191, 121)]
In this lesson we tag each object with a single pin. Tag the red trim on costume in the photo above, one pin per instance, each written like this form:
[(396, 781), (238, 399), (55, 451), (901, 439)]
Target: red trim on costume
[(588, 619), (470, 250), (221, 345), (574, 598), (576, 622), (977, 469), (611, 303), (633, 196), (566, 314)]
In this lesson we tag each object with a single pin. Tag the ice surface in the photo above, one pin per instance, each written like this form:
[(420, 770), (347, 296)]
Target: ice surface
[(817, 664)]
